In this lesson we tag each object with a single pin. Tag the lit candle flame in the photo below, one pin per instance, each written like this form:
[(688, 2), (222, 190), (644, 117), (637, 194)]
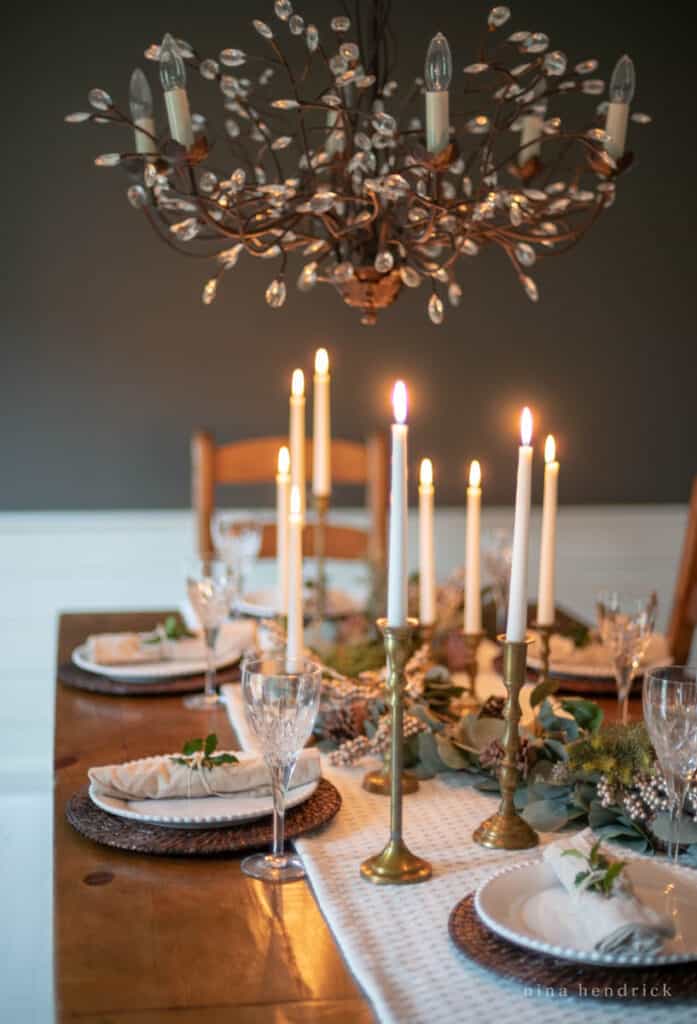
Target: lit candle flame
[(475, 473), (283, 461), (526, 426), (321, 362), (399, 402), (295, 513), (297, 386), (550, 449), (426, 473)]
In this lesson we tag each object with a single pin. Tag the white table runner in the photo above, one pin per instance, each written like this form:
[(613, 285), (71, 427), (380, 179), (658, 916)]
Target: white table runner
[(395, 939)]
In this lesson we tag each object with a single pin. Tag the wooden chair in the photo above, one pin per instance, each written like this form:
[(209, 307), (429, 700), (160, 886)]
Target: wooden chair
[(683, 618), (254, 461)]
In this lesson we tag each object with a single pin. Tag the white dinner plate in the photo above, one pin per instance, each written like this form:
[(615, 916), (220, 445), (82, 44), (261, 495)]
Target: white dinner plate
[(574, 666), (263, 603), (199, 812), (148, 672), (527, 905)]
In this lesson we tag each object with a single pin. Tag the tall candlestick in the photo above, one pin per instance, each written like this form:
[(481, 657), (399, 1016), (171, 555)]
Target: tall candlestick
[(173, 78), (518, 593), (142, 112), (282, 511), (321, 430), (297, 435), (427, 560), (438, 71), (473, 588), (397, 567), (622, 86), (545, 596), (294, 645)]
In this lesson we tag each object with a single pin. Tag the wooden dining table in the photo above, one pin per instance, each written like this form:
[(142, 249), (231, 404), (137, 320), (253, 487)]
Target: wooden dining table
[(148, 939)]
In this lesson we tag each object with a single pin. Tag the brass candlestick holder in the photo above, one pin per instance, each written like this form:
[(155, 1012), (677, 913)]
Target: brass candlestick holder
[(546, 632), (506, 830), (320, 546), (396, 865), (471, 667)]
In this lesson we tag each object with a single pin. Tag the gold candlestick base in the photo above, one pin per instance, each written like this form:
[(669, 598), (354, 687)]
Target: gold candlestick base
[(396, 865), (320, 546), (506, 830), (379, 781)]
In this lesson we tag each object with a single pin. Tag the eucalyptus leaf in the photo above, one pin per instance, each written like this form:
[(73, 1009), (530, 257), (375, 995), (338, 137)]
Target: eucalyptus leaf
[(450, 755), (661, 827), (542, 691), (586, 713), (545, 815)]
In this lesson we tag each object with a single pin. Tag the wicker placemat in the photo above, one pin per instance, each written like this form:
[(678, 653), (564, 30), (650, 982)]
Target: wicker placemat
[(548, 976), (70, 675), (108, 830)]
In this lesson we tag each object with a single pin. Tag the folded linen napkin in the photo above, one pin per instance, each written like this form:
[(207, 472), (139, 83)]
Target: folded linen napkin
[(618, 923), (133, 648), (160, 778)]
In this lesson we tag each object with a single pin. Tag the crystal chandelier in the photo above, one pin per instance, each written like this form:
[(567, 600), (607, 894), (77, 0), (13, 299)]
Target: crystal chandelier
[(377, 188)]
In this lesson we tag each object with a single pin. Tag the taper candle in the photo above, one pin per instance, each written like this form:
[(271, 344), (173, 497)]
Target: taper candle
[(438, 71), (518, 592), (321, 428), (282, 512), (294, 643), (622, 86), (427, 566), (173, 78), (545, 596), (297, 435), (397, 604), (473, 587), (142, 112)]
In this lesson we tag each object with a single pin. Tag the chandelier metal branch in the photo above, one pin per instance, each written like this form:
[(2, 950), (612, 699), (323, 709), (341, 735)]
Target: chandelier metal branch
[(333, 165)]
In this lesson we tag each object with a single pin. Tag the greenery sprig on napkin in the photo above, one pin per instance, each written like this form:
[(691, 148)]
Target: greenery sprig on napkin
[(200, 753), (600, 875)]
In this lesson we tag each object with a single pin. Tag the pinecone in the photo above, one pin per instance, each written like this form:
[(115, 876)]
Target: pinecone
[(492, 708)]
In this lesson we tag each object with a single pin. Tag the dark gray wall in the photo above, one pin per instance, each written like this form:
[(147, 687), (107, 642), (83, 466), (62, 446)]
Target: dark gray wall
[(109, 359)]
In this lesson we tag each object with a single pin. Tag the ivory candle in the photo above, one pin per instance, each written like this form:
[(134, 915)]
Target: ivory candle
[(518, 592), (545, 596), (173, 78), (297, 435), (397, 565), (141, 105), (427, 568), (294, 641), (282, 512), (321, 429), (473, 587), (437, 75)]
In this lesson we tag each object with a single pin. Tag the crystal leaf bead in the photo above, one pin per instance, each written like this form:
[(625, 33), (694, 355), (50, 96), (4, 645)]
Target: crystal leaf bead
[(469, 247), (232, 58), (337, 64), (384, 262), (551, 126), (640, 118), (185, 230), (478, 125), (137, 196), (516, 214), (602, 108), (593, 87), (285, 104), (498, 16), (475, 69), (185, 48), (536, 42), (209, 290), (520, 69), (384, 123), (322, 201), (530, 288), (555, 63), (150, 175), (586, 67), (454, 293), (519, 37), (99, 99), (343, 272), (559, 205), (229, 257), (270, 253), (108, 160), (207, 181), (282, 142), (152, 52), (312, 38), (78, 117), (262, 28), (362, 140), (330, 99), (260, 175), (441, 275), (340, 24), (283, 9), (436, 311), (536, 194), (296, 25), (365, 81), (566, 86), (390, 88), (238, 179), (555, 188), (315, 247), (410, 277), (467, 186), (525, 254), (548, 227), (350, 52), (308, 277), (457, 166), (232, 128), (597, 135), (276, 293), (582, 195), (209, 69)]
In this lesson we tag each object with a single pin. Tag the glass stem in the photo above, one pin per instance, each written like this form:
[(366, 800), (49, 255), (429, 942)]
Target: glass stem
[(676, 808), (624, 684), (211, 635), (280, 777)]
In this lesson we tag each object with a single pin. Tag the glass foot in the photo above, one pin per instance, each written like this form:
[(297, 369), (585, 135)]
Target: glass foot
[(201, 702), (269, 868)]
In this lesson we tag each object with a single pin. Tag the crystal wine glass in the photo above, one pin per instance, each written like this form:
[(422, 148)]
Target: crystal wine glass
[(211, 586), (281, 698), (237, 538), (626, 623), (670, 713)]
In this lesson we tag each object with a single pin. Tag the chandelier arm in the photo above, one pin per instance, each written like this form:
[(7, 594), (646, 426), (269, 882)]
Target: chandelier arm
[(296, 94)]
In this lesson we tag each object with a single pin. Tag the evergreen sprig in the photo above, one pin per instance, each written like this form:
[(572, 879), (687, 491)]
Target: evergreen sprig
[(210, 759)]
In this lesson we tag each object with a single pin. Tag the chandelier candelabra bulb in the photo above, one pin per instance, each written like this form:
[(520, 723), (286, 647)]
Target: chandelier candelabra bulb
[(623, 81), (172, 67), (140, 96), (438, 69)]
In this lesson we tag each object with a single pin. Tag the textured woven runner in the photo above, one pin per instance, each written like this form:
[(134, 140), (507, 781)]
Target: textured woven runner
[(395, 939)]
